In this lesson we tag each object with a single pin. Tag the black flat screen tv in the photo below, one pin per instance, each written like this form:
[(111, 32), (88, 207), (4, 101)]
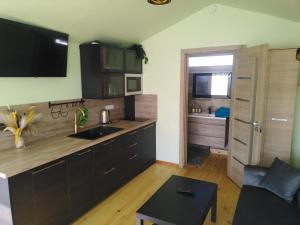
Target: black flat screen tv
[(30, 51)]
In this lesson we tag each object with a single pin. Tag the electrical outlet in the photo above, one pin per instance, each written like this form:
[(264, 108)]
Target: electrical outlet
[(109, 107)]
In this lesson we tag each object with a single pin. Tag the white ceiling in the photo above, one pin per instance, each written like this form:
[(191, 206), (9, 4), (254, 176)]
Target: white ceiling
[(125, 21)]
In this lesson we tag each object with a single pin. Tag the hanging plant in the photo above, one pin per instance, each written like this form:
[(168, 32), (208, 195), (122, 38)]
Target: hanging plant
[(140, 52)]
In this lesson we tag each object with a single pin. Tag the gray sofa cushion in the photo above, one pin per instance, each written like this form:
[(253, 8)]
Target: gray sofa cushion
[(282, 179), (254, 175), (298, 198)]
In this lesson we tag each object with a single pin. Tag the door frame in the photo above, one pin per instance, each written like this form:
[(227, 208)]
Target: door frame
[(183, 126)]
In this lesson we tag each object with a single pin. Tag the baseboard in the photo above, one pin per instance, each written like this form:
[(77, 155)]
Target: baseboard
[(167, 163), (219, 151)]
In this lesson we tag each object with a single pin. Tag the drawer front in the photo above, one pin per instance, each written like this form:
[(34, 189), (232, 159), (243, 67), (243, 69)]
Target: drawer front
[(209, 121), (207, 130), (206, 140), (237, 171), (132, 136)]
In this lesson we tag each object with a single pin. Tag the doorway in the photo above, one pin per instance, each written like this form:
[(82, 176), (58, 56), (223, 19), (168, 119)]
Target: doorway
[(206, 75), (247, 104)]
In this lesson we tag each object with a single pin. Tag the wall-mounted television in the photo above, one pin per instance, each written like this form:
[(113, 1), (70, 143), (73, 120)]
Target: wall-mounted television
[(30, 51)]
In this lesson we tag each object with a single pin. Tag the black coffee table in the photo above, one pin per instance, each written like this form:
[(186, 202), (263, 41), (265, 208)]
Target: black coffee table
[(168, 207)]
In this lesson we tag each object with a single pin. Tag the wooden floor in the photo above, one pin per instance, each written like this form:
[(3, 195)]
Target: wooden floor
[(120, 208)]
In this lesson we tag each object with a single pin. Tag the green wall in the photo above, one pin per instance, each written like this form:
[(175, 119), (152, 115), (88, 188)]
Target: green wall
[(296, 138), (228, 26), (29, 90)]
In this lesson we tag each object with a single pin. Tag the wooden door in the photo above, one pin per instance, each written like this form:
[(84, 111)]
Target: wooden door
[(281, 101), (247, 110)]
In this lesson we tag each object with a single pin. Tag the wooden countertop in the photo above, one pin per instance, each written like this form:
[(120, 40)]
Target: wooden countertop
[(13, 161), (205, 115)]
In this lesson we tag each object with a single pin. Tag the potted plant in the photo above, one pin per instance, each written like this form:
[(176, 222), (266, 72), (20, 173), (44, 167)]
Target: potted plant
[(140, 52)]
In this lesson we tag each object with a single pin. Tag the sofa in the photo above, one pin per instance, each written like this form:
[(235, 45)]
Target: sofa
[(258, 206)]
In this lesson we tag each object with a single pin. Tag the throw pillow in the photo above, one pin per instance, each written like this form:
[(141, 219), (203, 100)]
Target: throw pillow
[(282, 179)]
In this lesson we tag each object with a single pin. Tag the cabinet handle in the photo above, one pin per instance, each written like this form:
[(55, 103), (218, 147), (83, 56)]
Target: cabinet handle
[(133, 157), (109, 171), (83, 153), (134, 144), (134, 132), (280, 119), (108, 143), (145, 128), (48, 167)]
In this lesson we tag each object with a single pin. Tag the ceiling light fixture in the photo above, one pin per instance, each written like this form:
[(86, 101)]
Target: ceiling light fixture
[(159, 2)]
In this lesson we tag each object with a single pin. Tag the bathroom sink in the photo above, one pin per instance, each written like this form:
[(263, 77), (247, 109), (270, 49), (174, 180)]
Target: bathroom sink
[(202, 115), (95, 133)]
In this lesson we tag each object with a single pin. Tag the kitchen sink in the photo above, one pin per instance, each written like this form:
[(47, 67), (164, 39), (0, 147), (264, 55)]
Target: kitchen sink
[(95, 133)]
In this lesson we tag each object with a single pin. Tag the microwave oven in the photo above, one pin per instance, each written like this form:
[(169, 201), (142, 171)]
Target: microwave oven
[(133, 84)]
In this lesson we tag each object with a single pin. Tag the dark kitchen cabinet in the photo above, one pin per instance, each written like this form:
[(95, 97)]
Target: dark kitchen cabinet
[(22, 199), (148, 145), (60, 192), (107, 167), (111, 59), (51, 194), (102, 71), (81, 182), (133, 64)]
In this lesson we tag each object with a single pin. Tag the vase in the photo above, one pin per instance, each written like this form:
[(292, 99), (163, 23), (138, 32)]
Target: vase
[(19, 140)]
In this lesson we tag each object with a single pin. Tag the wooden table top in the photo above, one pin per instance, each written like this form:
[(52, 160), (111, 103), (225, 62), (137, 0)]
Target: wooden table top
[(16, 161)]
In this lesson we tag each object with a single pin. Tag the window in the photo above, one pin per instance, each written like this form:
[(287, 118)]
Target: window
[(220, 60), (212, 85)]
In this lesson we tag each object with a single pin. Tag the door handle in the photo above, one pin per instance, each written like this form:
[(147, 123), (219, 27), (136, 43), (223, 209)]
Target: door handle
[(257, 126), (109, 171), (109, 142), (48, 167), (83, 153), (280, 119), (133, 157)]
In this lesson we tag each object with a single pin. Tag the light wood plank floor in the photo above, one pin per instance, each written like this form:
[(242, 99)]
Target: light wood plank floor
[(120, 208)]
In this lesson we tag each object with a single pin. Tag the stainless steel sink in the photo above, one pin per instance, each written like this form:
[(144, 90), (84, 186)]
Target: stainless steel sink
[(95, 133)]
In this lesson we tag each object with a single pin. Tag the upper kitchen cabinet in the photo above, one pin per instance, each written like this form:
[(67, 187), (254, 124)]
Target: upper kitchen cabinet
[(102, 71), (111, 59), (133, 64)]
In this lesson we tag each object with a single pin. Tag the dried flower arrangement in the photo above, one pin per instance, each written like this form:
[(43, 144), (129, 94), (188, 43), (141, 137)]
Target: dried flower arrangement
[(19, 124)]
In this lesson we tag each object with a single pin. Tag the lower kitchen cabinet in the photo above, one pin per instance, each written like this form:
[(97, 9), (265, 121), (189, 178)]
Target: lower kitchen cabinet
[(60, 192), (81, 182), (107, 168), (22, 199), (148, 152), (50, 189)]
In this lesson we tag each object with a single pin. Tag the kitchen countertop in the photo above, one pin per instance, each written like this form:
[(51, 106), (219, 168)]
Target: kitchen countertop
[(205, 115), (16, 161)]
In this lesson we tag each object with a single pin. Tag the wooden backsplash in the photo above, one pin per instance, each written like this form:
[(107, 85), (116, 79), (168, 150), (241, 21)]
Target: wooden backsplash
[(48, 126), (146, 106), (206, 103)]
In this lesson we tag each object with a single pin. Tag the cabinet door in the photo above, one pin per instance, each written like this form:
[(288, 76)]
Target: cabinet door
[(81, 177), (51, 194), (112, 85), (107, 168), (112, 59), (133, 64), (149, 145), (22, 199)]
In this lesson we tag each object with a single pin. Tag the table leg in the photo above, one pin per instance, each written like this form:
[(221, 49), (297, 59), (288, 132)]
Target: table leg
[(214, 209), (139, 221)]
